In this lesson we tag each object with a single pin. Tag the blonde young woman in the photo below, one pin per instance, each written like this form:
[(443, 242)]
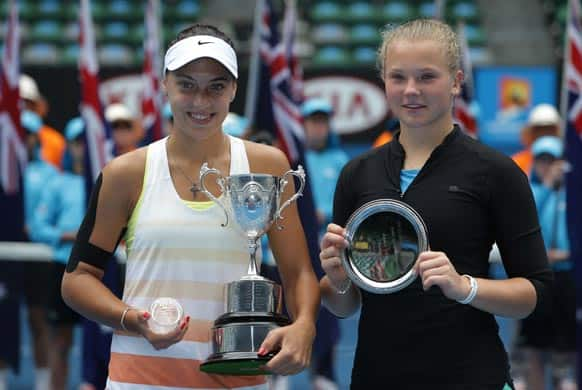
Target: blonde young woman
[(176, 245), (439, 332)]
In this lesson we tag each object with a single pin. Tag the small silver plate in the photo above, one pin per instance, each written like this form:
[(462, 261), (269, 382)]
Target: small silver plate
[(385, 237)]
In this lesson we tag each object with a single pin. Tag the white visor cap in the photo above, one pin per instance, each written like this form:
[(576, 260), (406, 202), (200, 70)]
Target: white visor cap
[(201, 46)]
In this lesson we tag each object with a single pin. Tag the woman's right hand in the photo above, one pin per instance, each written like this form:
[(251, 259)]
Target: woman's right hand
[(139, 324), (332, 245)]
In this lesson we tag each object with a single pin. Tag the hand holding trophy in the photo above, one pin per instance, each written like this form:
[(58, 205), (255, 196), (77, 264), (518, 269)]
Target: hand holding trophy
[(253, 303)]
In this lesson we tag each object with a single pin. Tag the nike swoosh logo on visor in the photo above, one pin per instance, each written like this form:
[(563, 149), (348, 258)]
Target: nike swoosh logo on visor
[(203, 43)]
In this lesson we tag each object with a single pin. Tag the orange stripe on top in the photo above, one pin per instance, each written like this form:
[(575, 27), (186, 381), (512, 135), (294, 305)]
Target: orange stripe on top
[(158, 371), (198, 330)]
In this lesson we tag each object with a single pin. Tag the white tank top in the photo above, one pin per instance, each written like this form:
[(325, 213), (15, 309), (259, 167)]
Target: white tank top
[(178, 249)]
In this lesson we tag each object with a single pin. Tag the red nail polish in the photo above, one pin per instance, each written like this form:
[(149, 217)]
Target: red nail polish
[(146, 315), (183, 325), (188, 319)]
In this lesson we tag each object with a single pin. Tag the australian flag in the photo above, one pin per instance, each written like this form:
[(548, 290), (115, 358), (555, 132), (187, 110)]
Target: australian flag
[(99, 140), (278, 112), (12, 150), (151, 102), (464, 103), (13, 158), (13, 155), (572, 114)]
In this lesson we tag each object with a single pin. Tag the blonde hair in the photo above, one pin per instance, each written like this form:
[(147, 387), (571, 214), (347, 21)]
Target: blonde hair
[(422, 29)]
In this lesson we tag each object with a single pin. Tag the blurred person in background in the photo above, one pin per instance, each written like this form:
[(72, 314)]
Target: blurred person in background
[(386, 136), (542, 120), (52, 142), (439, 332), (553, 335), (236, 125), (37, 177), (324, 155), (10, 327), (55, 222), (125, 129), (383, 138), (167, 119), (325, 159)]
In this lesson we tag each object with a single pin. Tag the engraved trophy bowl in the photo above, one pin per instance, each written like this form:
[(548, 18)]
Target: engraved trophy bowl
[(384, 237), (253, 303)]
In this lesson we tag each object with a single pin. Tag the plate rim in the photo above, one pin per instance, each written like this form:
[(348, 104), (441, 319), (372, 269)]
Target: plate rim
[(354, 221)]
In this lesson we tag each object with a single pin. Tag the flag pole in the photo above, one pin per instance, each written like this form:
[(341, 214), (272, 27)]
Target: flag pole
[(253, 77)]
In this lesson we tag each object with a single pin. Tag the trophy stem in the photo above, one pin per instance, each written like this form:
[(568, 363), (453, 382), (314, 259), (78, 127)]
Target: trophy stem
[(252, 271)]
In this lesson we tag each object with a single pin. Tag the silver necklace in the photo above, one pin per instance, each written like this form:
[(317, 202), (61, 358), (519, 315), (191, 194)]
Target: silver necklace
[(195, 187)]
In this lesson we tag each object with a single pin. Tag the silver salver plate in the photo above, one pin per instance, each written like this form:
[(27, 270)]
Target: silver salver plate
[(385, 237)]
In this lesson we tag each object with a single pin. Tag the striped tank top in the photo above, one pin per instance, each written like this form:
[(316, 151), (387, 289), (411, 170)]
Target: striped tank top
[(178, 249)]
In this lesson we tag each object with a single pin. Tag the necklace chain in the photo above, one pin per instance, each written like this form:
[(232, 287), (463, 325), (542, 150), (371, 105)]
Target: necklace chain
[(195, 187)]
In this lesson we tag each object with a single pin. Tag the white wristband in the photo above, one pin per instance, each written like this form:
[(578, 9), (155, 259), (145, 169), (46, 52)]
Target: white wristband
[(344, 289), (472, 292)]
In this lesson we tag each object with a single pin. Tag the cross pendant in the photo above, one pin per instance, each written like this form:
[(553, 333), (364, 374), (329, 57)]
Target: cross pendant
[(194, 189)]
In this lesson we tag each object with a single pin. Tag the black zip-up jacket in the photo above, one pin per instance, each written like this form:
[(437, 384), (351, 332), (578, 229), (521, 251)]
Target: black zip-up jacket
[(469, 196)]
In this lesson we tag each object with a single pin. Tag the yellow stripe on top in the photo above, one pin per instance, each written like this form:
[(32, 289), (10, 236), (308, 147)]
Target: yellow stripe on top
[(129, 233), (199, 205), (178, 249)]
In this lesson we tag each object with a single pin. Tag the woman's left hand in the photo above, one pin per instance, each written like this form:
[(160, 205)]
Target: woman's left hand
[(435, 269), (293, 343)]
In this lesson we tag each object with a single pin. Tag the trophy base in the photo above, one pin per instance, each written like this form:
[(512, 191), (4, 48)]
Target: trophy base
[(236, 363), (235, 346)]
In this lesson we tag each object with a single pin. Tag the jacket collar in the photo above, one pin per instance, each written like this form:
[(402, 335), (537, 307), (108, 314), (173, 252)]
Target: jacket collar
[(396, 154), (396, 146)]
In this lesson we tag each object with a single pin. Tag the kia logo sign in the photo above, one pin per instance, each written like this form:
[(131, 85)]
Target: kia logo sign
[(358, 104)]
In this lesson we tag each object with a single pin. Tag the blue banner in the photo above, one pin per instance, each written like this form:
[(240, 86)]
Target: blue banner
[(505, 96)]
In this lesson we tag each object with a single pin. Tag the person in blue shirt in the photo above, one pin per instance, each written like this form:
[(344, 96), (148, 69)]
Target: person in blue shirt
[(553, 334), (37, 176), (325, 158), (56, 220), (167, 119), (236, 125), (324, 154)]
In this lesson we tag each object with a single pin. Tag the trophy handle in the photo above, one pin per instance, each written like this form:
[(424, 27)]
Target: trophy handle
[(300, 174), (204, 171)]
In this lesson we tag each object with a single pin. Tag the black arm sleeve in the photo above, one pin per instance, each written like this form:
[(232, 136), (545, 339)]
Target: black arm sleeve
[(518, 233), (83, 250)]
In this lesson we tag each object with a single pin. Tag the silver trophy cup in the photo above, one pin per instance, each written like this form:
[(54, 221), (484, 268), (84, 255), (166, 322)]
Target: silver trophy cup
[(253, 303)]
